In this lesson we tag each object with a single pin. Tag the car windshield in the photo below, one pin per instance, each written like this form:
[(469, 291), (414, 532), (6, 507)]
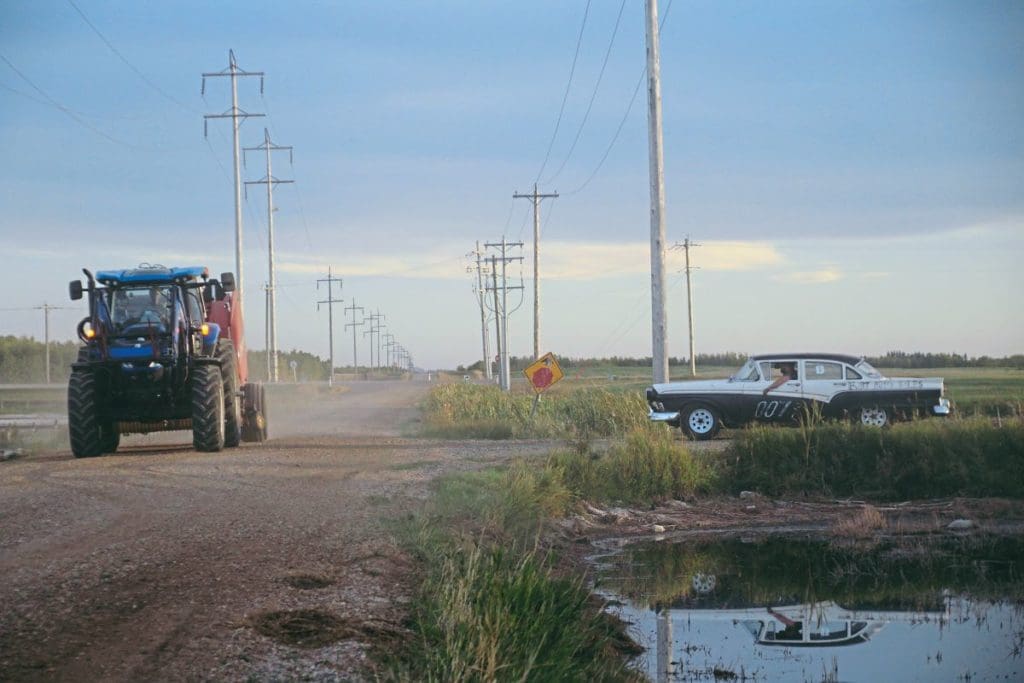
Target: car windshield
[(140, 310), (865, 368), (748, 373)]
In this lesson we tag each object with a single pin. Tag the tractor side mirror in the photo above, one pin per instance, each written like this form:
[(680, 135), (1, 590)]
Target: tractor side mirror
[(75, 289), (227, 281)]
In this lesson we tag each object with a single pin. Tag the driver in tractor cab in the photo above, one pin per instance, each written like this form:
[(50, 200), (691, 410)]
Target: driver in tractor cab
[(155, 310)]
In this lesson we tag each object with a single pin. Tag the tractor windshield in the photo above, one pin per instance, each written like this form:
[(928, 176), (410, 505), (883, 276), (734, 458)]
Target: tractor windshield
[(141, 310)]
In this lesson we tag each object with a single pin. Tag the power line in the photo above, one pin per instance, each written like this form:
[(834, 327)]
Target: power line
[(565, 97), (593, 95), (145, 79), (66, 110), (625, 116)]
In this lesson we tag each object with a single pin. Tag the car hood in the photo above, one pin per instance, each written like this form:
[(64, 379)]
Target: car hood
[(699, 386)]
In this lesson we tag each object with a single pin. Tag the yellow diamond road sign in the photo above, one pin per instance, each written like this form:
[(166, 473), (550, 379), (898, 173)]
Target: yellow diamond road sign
[(543, 373)]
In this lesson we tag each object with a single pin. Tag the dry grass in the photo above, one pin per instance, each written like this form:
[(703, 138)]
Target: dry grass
[(862, 524)]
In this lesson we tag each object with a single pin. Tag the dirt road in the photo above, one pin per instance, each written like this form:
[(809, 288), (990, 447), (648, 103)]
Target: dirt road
[(163, 563)]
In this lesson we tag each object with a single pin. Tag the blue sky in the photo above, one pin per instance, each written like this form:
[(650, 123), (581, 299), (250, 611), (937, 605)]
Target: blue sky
[(854, 171)]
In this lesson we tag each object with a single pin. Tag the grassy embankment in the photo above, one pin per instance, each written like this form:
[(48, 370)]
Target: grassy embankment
[(494, 602)]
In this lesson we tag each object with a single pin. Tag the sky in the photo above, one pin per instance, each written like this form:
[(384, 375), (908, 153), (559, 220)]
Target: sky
[(853, 172)]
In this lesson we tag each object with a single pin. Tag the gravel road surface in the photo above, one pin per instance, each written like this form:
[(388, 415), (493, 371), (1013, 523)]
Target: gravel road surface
[(159, 562)]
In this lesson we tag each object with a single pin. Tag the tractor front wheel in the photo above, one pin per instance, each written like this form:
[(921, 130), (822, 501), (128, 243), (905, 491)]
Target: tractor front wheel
[(207, 408), (83, 420)]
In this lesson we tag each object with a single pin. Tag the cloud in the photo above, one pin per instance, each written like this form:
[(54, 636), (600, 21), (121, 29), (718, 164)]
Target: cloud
[(594, 260), (811, 277), (559, 260)]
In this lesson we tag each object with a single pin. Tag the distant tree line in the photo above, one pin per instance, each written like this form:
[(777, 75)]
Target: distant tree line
[(309, 368), (919, 359), (23, 361)]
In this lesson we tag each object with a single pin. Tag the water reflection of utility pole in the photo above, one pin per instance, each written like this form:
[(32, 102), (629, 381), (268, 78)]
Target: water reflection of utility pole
[(664, 647)]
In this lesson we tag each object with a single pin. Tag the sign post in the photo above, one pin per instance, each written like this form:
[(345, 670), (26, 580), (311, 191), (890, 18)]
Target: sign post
[(542, 374)]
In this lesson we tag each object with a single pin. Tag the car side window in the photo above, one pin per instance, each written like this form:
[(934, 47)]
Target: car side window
[(774, 369), (852, 374), (818, 369)]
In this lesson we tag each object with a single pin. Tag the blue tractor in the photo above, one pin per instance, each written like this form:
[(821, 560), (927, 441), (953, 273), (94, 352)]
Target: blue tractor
[(163, 349)]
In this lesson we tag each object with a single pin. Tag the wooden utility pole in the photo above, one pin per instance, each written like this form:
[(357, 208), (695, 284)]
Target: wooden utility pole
[(354, 325), (46, 308), (536, 198), (481, 296), (659, 316), (270, 181), (330, 301), (506, 375), (689, 300)]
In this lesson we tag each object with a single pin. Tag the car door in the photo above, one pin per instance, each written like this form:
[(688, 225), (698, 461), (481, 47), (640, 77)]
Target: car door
[(822, 380), (782, 404)]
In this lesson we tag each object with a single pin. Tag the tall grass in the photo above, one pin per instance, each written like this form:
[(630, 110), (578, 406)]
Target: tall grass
[(929, 458), (645, 467), (488, 613), (470, 410)]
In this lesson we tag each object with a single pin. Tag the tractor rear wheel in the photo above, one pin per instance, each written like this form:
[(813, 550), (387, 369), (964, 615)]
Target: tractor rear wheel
[(83, 419), (232, 401), (254, 428), (207, 408)]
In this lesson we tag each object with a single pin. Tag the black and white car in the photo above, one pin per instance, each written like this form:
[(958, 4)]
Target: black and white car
[(782, 388)]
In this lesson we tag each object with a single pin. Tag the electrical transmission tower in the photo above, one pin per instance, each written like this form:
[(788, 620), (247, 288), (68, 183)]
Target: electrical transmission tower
[(536, 199), (354, 325), (270, 181), (330, 301), (501, 311), (689, 299), (481, 298), (237, 116)]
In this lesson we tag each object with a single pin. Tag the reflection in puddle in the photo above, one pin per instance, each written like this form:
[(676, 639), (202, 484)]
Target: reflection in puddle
[(783, 609)]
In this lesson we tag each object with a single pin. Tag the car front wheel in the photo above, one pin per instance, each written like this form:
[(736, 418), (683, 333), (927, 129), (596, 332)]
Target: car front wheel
[(700, 422), (873, 417)]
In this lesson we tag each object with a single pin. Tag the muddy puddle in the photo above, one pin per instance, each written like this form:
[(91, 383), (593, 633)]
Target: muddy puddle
[(790, 609)]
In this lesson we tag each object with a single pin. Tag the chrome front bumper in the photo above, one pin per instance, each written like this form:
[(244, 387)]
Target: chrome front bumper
[(661, 417), (943, 408)]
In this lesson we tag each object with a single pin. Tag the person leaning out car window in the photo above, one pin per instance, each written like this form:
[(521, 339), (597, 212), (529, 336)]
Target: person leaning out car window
[(788, 371)]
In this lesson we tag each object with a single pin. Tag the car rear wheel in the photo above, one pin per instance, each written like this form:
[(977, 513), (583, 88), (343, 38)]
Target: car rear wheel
[(700, 421), (873, 417)]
